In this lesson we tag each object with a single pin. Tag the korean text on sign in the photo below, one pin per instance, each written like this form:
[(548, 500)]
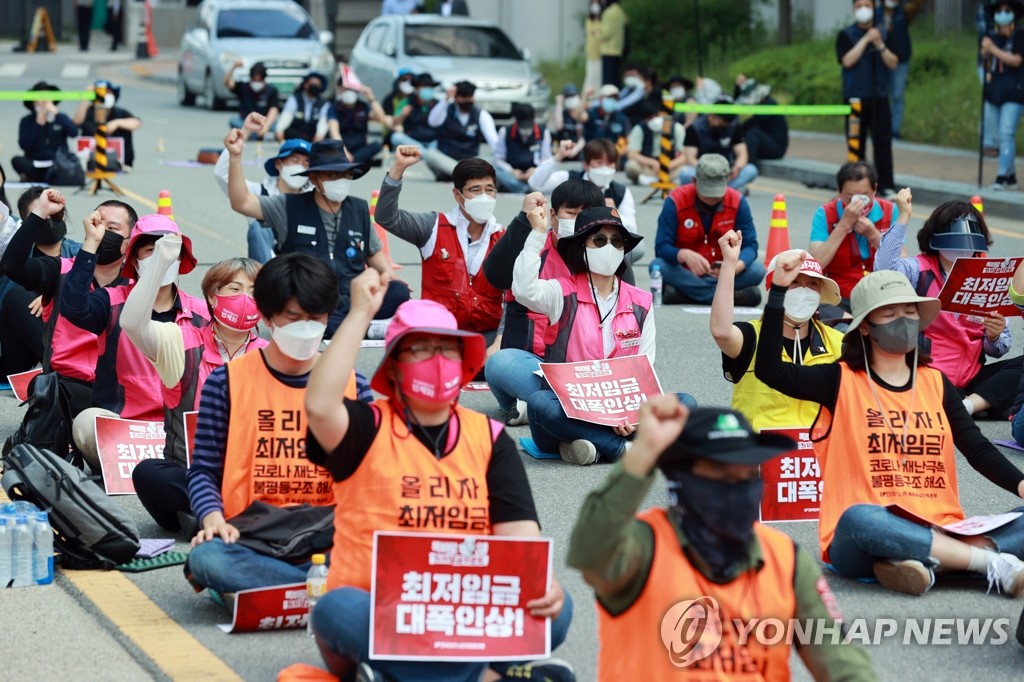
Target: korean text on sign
[(121, 445), (979, 286), (792, 481), (608, 391)]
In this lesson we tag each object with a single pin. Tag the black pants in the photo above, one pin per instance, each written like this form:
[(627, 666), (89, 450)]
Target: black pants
[(876, 117), (997, 383), (23, 166), (366, 152), (21, 334), (611, 71), (162, 488), (84, 14), (115, 29), (761, 146)]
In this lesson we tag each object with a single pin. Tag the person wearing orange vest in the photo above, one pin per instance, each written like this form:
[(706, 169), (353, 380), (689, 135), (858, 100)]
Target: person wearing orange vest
[(250, 442), (453, 245), (382, 458), (885, 438), (705, 557)]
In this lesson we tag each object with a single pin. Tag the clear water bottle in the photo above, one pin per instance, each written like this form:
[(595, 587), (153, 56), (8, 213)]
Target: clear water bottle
[(316, 586), (42, 547), (6, 560), (21, 542), (656, 285)]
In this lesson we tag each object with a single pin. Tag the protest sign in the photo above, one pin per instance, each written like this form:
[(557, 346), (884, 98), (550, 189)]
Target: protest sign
[(980, 286), (123, 443), (608, 391), (280, 607), (792, 480)]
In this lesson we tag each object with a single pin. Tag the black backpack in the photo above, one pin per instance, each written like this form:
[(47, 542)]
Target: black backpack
[(47, 422), (66, 170)]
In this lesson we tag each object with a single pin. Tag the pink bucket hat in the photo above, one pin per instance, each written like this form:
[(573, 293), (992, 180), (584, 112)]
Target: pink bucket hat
[(158, 225), (811, 268), (428, 317)]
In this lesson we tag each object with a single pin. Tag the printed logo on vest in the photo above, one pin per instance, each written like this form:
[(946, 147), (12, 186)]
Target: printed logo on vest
[(688, 223), (444, 254), (691, 630)]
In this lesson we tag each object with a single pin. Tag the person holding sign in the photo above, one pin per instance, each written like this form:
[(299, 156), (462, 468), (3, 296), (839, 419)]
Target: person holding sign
[(959, 343), (413, 461), (646, 567), (885, 440), (806, 341)]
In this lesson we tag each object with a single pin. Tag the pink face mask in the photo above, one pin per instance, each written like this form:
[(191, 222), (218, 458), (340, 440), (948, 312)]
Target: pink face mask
[(437, 379), (237, 312)]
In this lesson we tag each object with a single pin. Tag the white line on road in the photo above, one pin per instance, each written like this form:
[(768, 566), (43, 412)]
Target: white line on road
[(74, 71), (15, 70)]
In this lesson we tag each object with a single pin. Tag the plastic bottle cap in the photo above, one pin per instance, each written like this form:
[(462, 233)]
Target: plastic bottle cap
[(319, 559), (21, 519)]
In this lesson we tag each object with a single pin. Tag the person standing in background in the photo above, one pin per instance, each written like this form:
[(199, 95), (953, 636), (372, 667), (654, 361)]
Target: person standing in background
[(894, 17), (613, 42), (1003, 52), (114, 25), (83, 13), (592, 47)]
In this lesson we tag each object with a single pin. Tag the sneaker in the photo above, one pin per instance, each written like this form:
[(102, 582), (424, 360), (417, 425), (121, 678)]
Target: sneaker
[(909, 576), (188, 523), (378, 329), (1011, 181), (1000, 184), (517, 415), (747, 298), (580, 452), (1006, 574), (551, 670), (364, 673)]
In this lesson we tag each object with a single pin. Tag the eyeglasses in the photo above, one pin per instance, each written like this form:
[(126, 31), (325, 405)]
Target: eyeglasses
[(472, 192), (234, 288), (598, 241), (424, 351)]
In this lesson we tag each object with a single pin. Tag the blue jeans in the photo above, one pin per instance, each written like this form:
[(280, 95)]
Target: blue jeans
[(402, 138), (1006, 116), (510, 374), (508, 182), (261, 242), (549, 426), (341, 623), (867, 533), (702, 289), (1016, 428), (746, 176), (231, 567), (897, 87)]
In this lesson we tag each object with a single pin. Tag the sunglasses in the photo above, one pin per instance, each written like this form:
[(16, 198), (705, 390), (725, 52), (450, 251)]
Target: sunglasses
[(598, 241)]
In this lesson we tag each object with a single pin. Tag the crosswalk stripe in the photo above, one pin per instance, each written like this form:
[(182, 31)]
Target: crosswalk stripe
[(74, 71), (13, 70)]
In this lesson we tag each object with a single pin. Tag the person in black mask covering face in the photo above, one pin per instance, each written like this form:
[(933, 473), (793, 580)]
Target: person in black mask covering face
[(306, 111), (704, 555)]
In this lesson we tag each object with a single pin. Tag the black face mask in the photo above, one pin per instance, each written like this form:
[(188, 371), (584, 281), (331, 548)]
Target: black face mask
[(109, 250), (466, 106), (314, 91), (51, 232)]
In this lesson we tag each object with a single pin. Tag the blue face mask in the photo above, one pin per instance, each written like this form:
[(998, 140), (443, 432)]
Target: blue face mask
[(609, 104), (1003, 18), (426, 94)]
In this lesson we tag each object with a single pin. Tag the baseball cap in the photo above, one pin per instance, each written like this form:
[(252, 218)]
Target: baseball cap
[(287, 148), (722, 435), (888, 287), (712, 175), (829, 289), (608, 90)]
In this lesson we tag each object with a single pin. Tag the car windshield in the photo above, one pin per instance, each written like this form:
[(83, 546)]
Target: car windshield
[(263, 23), (444, 40)]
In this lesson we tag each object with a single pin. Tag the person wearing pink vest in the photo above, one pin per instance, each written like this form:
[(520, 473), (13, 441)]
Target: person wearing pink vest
[(959, 344)]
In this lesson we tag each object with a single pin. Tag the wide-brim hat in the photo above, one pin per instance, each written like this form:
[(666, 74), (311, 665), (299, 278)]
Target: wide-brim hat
[(314, 74), (425, 79), (589, 221), (812, 268), (888, 287), (724, 436), (962, 234), (287, 148), (420, 316), (158, 225), (329, 156), (41, 85)]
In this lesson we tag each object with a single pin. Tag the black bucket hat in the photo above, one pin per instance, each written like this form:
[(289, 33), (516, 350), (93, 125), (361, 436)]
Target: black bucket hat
[(41, 85), (724, 436), (589, 221), (329, 156)]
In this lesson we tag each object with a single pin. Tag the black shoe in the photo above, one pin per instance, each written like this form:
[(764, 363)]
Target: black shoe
[(551, 670), (364, 673), (1020, 629), (1011, 181), (672, 296), (747, 298)]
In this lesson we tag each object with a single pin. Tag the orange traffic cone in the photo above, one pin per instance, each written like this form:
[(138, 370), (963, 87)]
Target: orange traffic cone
[(163, 204), (381, 232), (976, 203), (778, 232)]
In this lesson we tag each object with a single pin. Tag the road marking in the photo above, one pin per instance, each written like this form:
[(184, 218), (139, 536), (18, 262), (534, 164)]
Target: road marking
[(74, 71), (15, 70), (178, 654), (181, 222)]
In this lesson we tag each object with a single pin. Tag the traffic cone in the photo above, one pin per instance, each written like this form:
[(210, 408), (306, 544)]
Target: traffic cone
[(381, 232), (976, 203), (163, 204), (778, 232)]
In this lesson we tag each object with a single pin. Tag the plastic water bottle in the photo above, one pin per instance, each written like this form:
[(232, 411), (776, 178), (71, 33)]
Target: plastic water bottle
[(656, 285), (6, 560), (316, 586), (42, 547), (21, 542)]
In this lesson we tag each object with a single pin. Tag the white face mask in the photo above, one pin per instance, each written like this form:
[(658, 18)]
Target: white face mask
[(572, 102), (677, 93), (595, 8), (406, 88), (952, 254), (566, 227), (863, 15), (655, 124), (299, 340), (605, 260), (257, 86), (291, 177), (634, 82), (108, 101), (337, 190), (480, 208), (601, 175), (801, 303), (349, 97), (170, 277), (892, 4)]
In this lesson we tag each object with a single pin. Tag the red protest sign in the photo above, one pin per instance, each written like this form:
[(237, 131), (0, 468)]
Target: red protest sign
[(191, 419), (608, 391), (792, 481), (979, 286), (458, 598), (280, 607), (115, 146), (123, 443), (19, 382)]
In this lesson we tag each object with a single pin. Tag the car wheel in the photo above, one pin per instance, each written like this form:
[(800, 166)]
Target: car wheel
[(186, 97), (213, 103)]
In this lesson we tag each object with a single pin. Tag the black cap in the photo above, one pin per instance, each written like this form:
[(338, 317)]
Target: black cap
[(425, 79), (720, 435), (41, 85)]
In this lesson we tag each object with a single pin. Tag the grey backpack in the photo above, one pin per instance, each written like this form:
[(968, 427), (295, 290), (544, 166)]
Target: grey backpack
[(90, 529)]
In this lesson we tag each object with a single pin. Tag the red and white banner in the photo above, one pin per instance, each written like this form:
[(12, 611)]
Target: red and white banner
[(980, 286), (191, 419), (608, 392), (458, 598), (123, 443), (115, 146), (792, 480), (19, 382), (281, 607)]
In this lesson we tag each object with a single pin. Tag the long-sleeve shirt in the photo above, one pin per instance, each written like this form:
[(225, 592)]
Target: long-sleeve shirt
[(500, 149), (546, 177), (611, 543), (439, 113), (668, 224), (34, 271), (41, 142)]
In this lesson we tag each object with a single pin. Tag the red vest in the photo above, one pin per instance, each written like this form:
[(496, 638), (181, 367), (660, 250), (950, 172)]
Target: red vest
[(847, 267), (446, 279), (690, 232), (957, 341)]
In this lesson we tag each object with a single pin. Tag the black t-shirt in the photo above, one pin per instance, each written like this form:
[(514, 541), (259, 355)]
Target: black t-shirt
[(115, 113), (726, 138), (260, 102), (734, 368), (1004, 83), (508, 489)]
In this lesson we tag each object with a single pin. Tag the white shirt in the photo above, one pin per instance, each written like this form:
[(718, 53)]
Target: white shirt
[(473, 252), (545, 179), (439, 113)]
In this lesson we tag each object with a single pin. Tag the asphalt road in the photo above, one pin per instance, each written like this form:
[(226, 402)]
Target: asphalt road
[(59, 632)]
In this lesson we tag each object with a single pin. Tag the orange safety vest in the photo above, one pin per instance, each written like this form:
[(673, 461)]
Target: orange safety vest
[(631, 641), (402, 486), (865, 463), (265, 458)]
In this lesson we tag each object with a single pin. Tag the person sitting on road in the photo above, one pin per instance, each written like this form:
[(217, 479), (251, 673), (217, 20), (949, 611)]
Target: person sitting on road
[(461, 126), (564, 121), (604, 120), (645, 148), (283, 177), (640, 86), (766, 135), (121, 123), (306, 113), (40, 134), (395, 101), (958, 344), (718, 134), (453, 245), (705, 554), (327, 222), (889, 525), (184, 358), (411, 126), (680, 90), (521, 147), (349, 119), (692, 220), (255, 94), (417, 430), (806, 340), (249, 403)]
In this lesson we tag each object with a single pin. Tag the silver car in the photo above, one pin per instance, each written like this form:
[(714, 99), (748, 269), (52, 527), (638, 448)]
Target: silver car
[(451, 49), (278, 33)]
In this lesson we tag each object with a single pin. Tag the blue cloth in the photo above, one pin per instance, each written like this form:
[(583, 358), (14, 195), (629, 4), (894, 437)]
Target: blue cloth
[(261, 242), (668, 223), (702, 289), (231, 567), (1006, 117), (819, 226), (510, 374), (529, 446), (897, 90)]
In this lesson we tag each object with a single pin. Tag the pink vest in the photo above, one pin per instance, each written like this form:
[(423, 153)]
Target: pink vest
[(67, 350), (957, 342), (579, 328)]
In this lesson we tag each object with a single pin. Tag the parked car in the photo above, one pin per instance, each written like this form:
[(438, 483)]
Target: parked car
[(451, 49), (278, 33)]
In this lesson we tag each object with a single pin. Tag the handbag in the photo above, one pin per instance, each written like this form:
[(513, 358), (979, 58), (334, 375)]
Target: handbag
[(292, 534)]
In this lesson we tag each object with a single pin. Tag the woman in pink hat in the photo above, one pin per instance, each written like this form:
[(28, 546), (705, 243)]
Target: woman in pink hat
[(378, 453)]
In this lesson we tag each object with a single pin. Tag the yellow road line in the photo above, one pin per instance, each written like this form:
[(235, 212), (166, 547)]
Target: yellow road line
[(178, 654), (192, 226)]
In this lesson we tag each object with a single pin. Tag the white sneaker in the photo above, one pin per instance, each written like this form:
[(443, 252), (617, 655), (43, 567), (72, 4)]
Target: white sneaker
[(378, 329), (909, 576), (580, 452), (517, 415), (1006, 574), (647, 180)]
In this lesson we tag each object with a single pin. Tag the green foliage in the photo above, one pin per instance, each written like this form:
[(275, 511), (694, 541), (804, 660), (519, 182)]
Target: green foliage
[(558, 74)]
